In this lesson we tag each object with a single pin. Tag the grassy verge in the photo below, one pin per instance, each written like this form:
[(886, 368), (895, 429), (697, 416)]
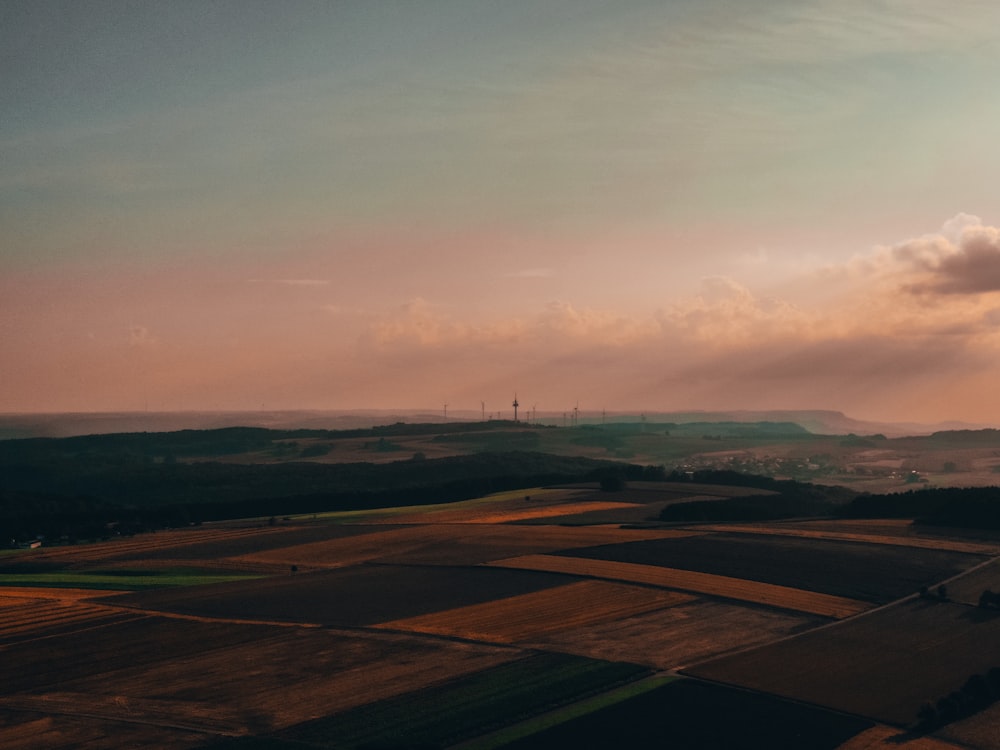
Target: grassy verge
[(351, 516), (116, 580)]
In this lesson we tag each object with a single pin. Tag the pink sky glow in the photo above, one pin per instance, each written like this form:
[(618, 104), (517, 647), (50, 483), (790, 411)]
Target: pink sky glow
[(680, 206)]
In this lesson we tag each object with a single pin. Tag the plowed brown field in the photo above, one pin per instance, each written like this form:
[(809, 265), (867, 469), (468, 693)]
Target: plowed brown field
[(688, 580), (28, 614), (450, 544), (882, 737), (683, 634), (143, 544), (978, 731), (530, 616), (28, 730), (222, 678)]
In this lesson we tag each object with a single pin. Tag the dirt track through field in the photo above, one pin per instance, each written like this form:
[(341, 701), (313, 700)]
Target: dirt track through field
[(770, 594)]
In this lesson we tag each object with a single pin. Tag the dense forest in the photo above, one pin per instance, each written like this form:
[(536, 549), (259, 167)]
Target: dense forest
[(78, 488), (82, 487), (968, 507)]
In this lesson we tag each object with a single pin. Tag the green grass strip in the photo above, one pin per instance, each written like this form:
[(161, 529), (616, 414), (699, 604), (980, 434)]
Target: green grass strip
[(536, 493), (566, 713), (112, 581)]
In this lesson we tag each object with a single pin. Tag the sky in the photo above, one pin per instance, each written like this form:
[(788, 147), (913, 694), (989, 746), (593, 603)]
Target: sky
[(629, 205)]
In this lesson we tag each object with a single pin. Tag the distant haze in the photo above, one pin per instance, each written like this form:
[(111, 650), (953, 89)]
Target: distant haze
[(16, 426), (637, 206)]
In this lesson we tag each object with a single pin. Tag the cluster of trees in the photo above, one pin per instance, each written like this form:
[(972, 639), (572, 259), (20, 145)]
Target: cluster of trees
[(86, 502), (969, 507), (791, 499), (940, 593), (978, 692), (989, 600), (132, 448)]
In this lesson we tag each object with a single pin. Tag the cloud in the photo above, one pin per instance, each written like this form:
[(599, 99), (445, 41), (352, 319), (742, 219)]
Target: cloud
[(858, 339), (557, 328), (140, 337), (963, 258), (292, 282), (725, 314)]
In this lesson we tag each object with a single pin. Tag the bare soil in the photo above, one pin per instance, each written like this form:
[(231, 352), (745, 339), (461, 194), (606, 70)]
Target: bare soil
[(528, 617), (755, 592), (673, 637)]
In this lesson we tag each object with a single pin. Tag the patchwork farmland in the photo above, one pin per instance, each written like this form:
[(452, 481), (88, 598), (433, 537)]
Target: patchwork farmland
[(503, 621)]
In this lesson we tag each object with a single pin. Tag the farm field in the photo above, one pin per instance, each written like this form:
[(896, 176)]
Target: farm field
[(968, 587), (527, 617), (28, 614), (979, 730), (687, 717), (215, 678), (678, 635), (147, 545), (117, 579), (40, 730), (884, 664), (346, 597), (255, 541), (447, 714), (448, 544), (901, 534), (876, 573), (727, 587), (883, 737), (474, 626)]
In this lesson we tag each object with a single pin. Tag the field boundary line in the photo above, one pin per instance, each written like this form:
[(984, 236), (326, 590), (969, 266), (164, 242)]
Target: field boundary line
[(757, 592), (208, 618), (127, 617)]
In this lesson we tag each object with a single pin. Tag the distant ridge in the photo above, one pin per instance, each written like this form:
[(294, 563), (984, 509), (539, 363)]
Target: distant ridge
[(103, 423), (818, 421)]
